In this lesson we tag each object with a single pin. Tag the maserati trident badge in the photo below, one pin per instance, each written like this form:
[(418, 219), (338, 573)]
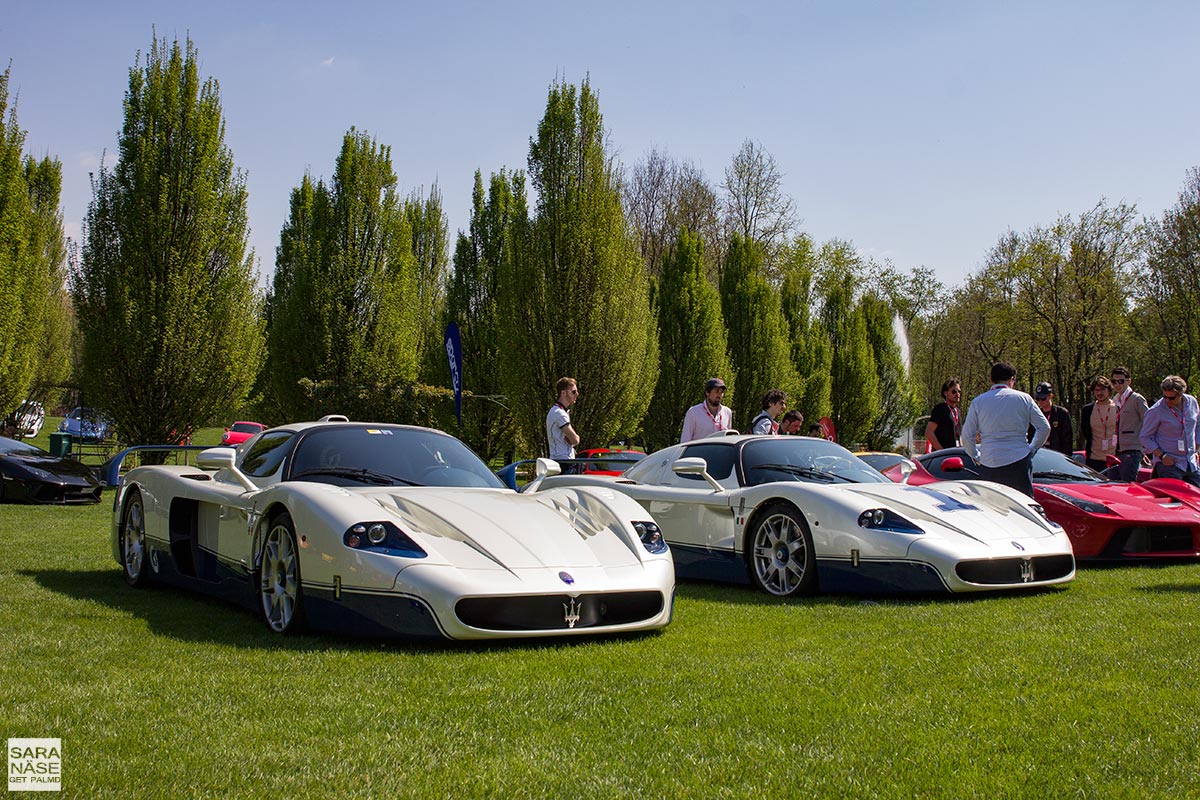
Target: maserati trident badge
[(1026, 570), (571, 613)]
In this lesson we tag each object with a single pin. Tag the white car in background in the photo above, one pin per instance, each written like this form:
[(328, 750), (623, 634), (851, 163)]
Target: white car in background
[(29, 418), (793, 515), (391, 530)]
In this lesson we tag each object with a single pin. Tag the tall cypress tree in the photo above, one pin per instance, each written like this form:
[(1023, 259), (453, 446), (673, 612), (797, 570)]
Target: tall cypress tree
[(576, 293), (855, 384), (801, 303), (342, 306), (692, 345), (164, 290), (759, 348)]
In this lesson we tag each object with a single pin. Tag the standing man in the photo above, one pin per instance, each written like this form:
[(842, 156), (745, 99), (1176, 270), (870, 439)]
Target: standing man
[(1002, 417), (1169, 433), (945, 421), (792, 424), (561, 435), (774, 403), (1131, 412), (1062, 437), (709, 416)]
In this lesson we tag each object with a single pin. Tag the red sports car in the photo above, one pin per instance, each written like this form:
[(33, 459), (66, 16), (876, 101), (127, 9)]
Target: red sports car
[(608, 461), (1105, 519), (240, 432)]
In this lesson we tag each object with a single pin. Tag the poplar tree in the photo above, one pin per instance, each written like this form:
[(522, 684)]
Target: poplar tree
[(692, 345), (34, 329), (801, 303), (472, 303), (343, 313), (897, 403), (759, 348), (854, 387), (164, 289), (576, 295)]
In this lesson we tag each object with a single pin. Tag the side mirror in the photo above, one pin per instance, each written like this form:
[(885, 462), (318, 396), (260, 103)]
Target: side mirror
[(547, 467), (952, 464), (696, 466), (223, 458), (906, 469), (1112, 461)]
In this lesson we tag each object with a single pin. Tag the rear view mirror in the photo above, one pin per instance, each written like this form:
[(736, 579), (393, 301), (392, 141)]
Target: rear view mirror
[(952, 464)]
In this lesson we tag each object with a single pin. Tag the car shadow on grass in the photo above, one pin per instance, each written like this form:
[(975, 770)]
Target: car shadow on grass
[(745, 595), (194, 617)]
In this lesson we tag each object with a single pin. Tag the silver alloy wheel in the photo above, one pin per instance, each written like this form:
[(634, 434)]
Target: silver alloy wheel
[(780, 554), (280, 585), (133, 539)]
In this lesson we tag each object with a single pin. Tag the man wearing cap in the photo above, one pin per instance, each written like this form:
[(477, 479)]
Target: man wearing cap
[(1169, 433), (1061, 435), (704, 419), (1002, 417)]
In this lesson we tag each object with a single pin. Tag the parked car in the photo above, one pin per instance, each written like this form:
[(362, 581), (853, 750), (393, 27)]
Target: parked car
[(1105, 519), (85, 425), (29, 474), (239, 432), (792, 515), (28, 419), (391, 530), (898, 468), (608, 461)]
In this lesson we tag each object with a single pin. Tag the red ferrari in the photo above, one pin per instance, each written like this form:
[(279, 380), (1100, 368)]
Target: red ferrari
[(240, 432), (607, 461), (1105, 519)]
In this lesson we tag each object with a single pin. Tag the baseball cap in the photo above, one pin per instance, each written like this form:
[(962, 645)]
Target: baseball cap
[(1043, 390), (714, 383)]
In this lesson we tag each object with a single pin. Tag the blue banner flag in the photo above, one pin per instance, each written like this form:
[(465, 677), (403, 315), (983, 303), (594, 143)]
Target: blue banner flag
[(454, 354)]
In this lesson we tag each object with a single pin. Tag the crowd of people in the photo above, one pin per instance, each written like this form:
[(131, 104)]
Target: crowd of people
[(1004, 427), (1001, 431)]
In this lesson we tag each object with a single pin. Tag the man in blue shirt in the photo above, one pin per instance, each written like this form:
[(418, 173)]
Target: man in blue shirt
[(1003, 417), (1169, 433)]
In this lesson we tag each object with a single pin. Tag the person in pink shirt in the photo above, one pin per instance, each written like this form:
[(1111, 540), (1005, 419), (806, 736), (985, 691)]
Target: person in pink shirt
[(710, 416)]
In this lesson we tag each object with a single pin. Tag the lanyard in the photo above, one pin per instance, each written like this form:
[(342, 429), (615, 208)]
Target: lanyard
[(716, 418), (1104, 420)]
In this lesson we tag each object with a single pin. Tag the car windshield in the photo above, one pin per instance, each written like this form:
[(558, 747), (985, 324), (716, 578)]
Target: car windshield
[(11, 447), (1051, 466), (361, 455), (246, 427), (882, 461), (803, 458)]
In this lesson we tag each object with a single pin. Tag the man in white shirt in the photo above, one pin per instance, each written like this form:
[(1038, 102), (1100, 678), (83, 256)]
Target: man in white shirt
[(561, 435), (703, 419), (1003, 416)]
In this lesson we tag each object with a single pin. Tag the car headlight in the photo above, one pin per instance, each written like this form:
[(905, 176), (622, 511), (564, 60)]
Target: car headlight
[(651, 536), (1090, 506), (382, 537), (884, 519)]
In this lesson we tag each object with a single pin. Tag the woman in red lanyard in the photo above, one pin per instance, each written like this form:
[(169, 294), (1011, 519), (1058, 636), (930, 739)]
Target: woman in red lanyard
[(1098, 425)]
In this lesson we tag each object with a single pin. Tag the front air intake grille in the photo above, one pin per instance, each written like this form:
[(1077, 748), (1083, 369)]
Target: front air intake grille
[(1150, 539), (558, 611), (1001, 571)]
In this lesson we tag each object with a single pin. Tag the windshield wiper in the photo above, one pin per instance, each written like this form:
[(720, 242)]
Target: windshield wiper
[(363, 474), (804, 472), (1068, 475)]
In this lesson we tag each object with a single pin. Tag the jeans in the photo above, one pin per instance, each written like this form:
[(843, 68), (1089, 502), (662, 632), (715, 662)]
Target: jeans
[(1186, 472), (1018, 475), (1130, 461)]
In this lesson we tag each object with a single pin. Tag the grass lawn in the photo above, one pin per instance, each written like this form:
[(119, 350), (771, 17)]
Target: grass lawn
[(1088, 691)]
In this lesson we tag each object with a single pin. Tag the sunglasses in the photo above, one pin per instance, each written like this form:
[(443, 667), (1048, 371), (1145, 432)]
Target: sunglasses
[(1120, 380), (1170, 396)]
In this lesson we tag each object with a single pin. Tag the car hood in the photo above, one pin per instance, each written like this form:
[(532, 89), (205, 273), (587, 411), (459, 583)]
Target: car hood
[(490, 528), (64, 468), (1142, 501), (978, 510)]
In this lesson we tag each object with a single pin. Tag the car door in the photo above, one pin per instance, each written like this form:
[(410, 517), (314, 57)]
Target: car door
[(687, 509)]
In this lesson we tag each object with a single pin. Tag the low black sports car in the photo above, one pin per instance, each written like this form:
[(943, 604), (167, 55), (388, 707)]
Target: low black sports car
[(29, 474)]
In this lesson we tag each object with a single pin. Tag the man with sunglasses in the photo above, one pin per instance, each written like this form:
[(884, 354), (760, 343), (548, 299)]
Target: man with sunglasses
[(1131, 412), (945, 420), (1169, 433)]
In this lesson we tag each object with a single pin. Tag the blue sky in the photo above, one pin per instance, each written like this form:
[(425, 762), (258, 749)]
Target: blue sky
[(918, 131)]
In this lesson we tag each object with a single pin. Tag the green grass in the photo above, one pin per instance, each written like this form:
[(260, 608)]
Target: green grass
[(1088, 691)]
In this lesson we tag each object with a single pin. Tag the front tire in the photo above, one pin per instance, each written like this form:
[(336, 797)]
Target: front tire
[(279, 593), (780, 555), (133, 540)]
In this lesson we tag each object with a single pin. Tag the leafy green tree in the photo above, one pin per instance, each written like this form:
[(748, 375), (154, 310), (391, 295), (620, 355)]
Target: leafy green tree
[(801, 302), (472, 303), (430, 246), (898, 406), (34, 330), (854, 385), (164, 289), (759, 346), (691, 344), (342, 311), (1168, 284), (575, 293)]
